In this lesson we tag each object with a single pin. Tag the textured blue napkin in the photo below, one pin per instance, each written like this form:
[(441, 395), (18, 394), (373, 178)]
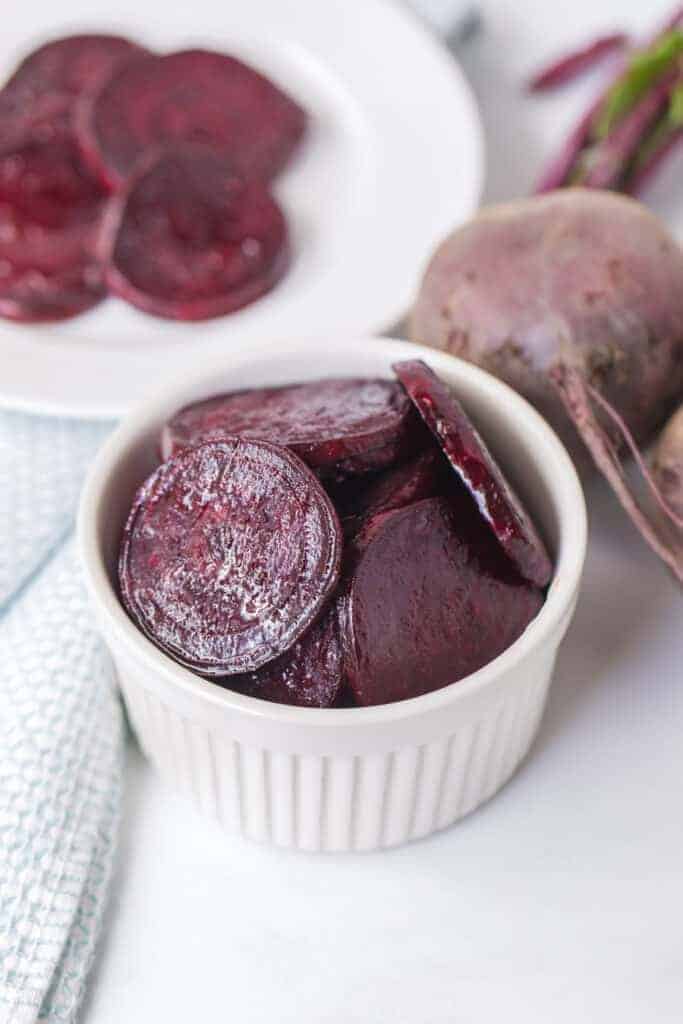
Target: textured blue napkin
[(61, 728)]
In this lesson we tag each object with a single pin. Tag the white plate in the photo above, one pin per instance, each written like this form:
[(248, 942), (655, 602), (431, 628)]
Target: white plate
[(392, 161)]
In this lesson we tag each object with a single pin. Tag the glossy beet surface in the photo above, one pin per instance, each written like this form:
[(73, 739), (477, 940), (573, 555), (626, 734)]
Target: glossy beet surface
[(423, 476), (430, 598), (49, 214), (309, 674), (189, 240), (342, 426), (230, 551), (194, 96), (478, 470), (38, 100)]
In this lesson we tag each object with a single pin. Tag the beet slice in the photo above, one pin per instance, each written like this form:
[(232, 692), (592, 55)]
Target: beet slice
[(478, 470), (193, 96), (49, 216), (38, 99), (309, 674), (430, 598), (189, 240), (419, 478), (229, 553), (339, 425)]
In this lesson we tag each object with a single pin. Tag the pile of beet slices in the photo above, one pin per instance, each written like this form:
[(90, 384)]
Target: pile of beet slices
[(142, 175), (331, 543)]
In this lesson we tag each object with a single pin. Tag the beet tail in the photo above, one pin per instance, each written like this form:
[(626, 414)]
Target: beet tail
[(665, 537)]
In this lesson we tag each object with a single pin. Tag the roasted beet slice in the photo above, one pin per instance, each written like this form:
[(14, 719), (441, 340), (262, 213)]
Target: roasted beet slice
[(49, 216), (430, 598), (342, 426), (38, 99), (419, 478), (193, 96), (50, 288), (478, 470), (309, 674), (229, 553), (189, 240)]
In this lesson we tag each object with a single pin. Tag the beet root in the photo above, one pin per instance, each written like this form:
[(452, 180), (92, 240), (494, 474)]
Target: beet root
[(49, 217), (230, 552), (194, 96), (188, 240), (429, 599), (481, 475), (342, 426), (575, 299), (310, 674), (39, 98), (424, 476)]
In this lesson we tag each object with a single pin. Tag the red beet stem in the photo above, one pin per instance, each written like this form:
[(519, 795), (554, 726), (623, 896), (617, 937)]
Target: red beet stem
[(576, 396), (674, 20), (609, 159), (556, 173), (639, 180), (569, 67)]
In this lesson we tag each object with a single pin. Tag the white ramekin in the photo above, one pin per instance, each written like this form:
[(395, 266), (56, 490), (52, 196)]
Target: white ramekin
[(338, 779)]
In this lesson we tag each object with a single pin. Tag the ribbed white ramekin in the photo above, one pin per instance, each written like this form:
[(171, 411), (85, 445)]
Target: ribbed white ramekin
[(338, 779)]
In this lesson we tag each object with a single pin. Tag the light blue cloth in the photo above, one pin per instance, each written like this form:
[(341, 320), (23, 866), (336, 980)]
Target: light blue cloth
[(61, 728)]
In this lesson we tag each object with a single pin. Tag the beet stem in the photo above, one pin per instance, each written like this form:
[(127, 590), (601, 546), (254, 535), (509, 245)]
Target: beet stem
[(571, 65), (608, 160), (619, 120)]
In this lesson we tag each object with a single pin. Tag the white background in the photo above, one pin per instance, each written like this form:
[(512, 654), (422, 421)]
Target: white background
[(560, 901)]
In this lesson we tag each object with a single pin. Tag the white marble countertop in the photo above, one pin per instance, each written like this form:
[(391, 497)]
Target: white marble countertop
[(561, 899)]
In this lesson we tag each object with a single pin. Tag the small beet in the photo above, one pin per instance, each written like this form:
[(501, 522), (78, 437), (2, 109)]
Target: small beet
[(194, 96), (309, 674), (338, 426), (189, 240), (38, 99), (49, 216), (230, 552), (478, 470), (429, 598)]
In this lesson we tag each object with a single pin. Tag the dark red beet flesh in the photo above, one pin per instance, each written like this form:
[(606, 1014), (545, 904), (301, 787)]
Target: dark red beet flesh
[(430, 598), (188, 240), (38, 99), (309, 674), (478, 470), (419, 478), (49, 215), (193, 96), (347, 425), (229, 554)]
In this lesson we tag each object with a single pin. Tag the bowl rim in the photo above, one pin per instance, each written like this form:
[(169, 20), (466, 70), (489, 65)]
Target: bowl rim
[(556, 465)]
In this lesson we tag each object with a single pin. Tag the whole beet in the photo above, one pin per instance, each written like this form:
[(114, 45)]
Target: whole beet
[(575, 298)]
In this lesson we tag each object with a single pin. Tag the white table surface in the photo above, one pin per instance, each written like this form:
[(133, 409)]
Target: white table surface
[(561, 900)]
